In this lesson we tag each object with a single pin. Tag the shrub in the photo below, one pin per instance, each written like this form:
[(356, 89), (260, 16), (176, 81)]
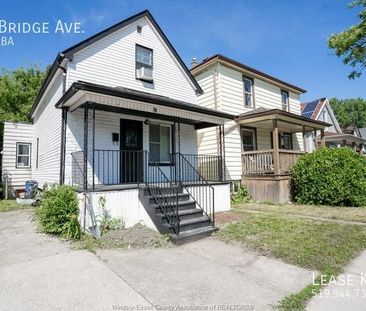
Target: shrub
[(330, 176), (241, 196), (58, 212)]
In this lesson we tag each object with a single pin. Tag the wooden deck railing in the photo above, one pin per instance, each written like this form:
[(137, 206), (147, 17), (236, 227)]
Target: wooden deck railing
[(262, 161)]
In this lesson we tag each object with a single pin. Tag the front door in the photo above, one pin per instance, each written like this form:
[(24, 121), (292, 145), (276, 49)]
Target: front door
[(131, 170)]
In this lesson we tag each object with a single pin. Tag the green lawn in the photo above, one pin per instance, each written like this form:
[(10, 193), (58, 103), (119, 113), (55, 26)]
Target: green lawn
[(11, 205), (339, 213), (323, 246)]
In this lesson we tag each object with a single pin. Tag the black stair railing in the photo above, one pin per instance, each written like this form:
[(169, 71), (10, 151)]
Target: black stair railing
[(164, 193), (198, 188)]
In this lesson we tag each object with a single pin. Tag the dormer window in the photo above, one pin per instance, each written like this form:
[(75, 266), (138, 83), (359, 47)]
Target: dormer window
[(144, 63), (285, 100), (248, 92)]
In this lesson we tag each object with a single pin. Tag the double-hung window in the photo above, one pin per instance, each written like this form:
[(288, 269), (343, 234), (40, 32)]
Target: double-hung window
[(248, 92), (23, 155), (285, 100), (160, 142), (144, 63)]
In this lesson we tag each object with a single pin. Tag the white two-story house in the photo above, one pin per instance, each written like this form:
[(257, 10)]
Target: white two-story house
[(117, 116), (268, 133)]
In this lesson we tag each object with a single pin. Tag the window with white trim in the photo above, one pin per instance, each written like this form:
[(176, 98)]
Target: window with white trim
[(248, 92), (23, 155), (143, 57), (285, 100), (160, 143)]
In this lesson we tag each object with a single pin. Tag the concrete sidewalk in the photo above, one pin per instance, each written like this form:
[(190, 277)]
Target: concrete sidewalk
[(349, 293), (41, 273), (207, 272), (38, 272)]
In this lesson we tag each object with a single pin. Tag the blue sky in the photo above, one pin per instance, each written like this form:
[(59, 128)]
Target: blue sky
[(287, 39)]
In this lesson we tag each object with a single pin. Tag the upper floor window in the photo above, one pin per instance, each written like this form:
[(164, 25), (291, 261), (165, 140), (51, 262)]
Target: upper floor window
[(23, 155), (248, 92), (285, 100), (144, 63)]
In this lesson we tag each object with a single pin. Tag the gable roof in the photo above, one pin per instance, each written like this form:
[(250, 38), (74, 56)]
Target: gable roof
[(69, 52), (218, 57), (313, 108)]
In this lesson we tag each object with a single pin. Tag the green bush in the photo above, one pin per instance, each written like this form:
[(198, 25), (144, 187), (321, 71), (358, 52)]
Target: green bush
[(58, 212), (241, 196), (330, 176)]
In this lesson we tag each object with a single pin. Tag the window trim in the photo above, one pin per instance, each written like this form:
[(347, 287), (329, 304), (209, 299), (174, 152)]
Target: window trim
[(244, 77), (37, 154), (30, 155), (288, 100), (279, 140), (171, 144), (143, 64), (248, 128)]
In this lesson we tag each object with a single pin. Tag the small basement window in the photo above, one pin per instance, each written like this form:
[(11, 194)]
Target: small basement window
[(23, 155)]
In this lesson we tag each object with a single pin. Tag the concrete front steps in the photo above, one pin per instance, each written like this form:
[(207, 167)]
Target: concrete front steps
[(193, 223)]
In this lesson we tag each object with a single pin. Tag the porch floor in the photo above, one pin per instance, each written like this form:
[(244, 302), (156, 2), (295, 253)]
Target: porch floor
[(98, 188)]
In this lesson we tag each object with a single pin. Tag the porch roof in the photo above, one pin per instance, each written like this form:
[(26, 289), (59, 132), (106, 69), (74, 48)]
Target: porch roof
[(129, 101), (339, 138), (288, 122)]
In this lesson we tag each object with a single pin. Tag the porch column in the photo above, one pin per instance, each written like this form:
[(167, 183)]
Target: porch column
[(304, 137), (93, 143), (315, 140), (353, 146), (222, 152), (63, 145), (86, 117), (322, 138), (276, 152)]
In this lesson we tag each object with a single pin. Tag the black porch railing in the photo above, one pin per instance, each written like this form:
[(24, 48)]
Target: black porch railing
[(117, 167), (194, 182), (191, 172)]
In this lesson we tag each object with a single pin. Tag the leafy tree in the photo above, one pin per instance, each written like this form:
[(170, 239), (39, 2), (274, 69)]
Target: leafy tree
[(18, 90), (351, 43), (349, 111)]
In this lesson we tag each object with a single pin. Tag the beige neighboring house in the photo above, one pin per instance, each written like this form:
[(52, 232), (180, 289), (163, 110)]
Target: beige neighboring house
[(268, 133), (335, 136)]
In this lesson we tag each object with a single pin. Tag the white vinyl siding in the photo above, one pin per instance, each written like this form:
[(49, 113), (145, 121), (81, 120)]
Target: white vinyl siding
[(47, 127), (230, 99), (111, 62), (15, 133)]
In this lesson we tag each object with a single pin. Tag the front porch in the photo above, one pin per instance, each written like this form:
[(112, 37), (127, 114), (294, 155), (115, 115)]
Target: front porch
[(139, 151), (272, 142)]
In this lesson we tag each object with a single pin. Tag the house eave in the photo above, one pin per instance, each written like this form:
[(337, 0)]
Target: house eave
[(246, 70)]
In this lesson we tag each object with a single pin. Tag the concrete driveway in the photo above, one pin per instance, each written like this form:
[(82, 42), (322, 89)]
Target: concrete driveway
[(41, 273)]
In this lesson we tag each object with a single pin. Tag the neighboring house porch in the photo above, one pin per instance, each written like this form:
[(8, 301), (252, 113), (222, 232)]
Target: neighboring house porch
[(270, 147)]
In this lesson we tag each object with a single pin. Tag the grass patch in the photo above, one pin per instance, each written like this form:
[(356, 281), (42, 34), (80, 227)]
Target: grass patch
[(339, 213), (137, 237), (323, 246), (11, 205)]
